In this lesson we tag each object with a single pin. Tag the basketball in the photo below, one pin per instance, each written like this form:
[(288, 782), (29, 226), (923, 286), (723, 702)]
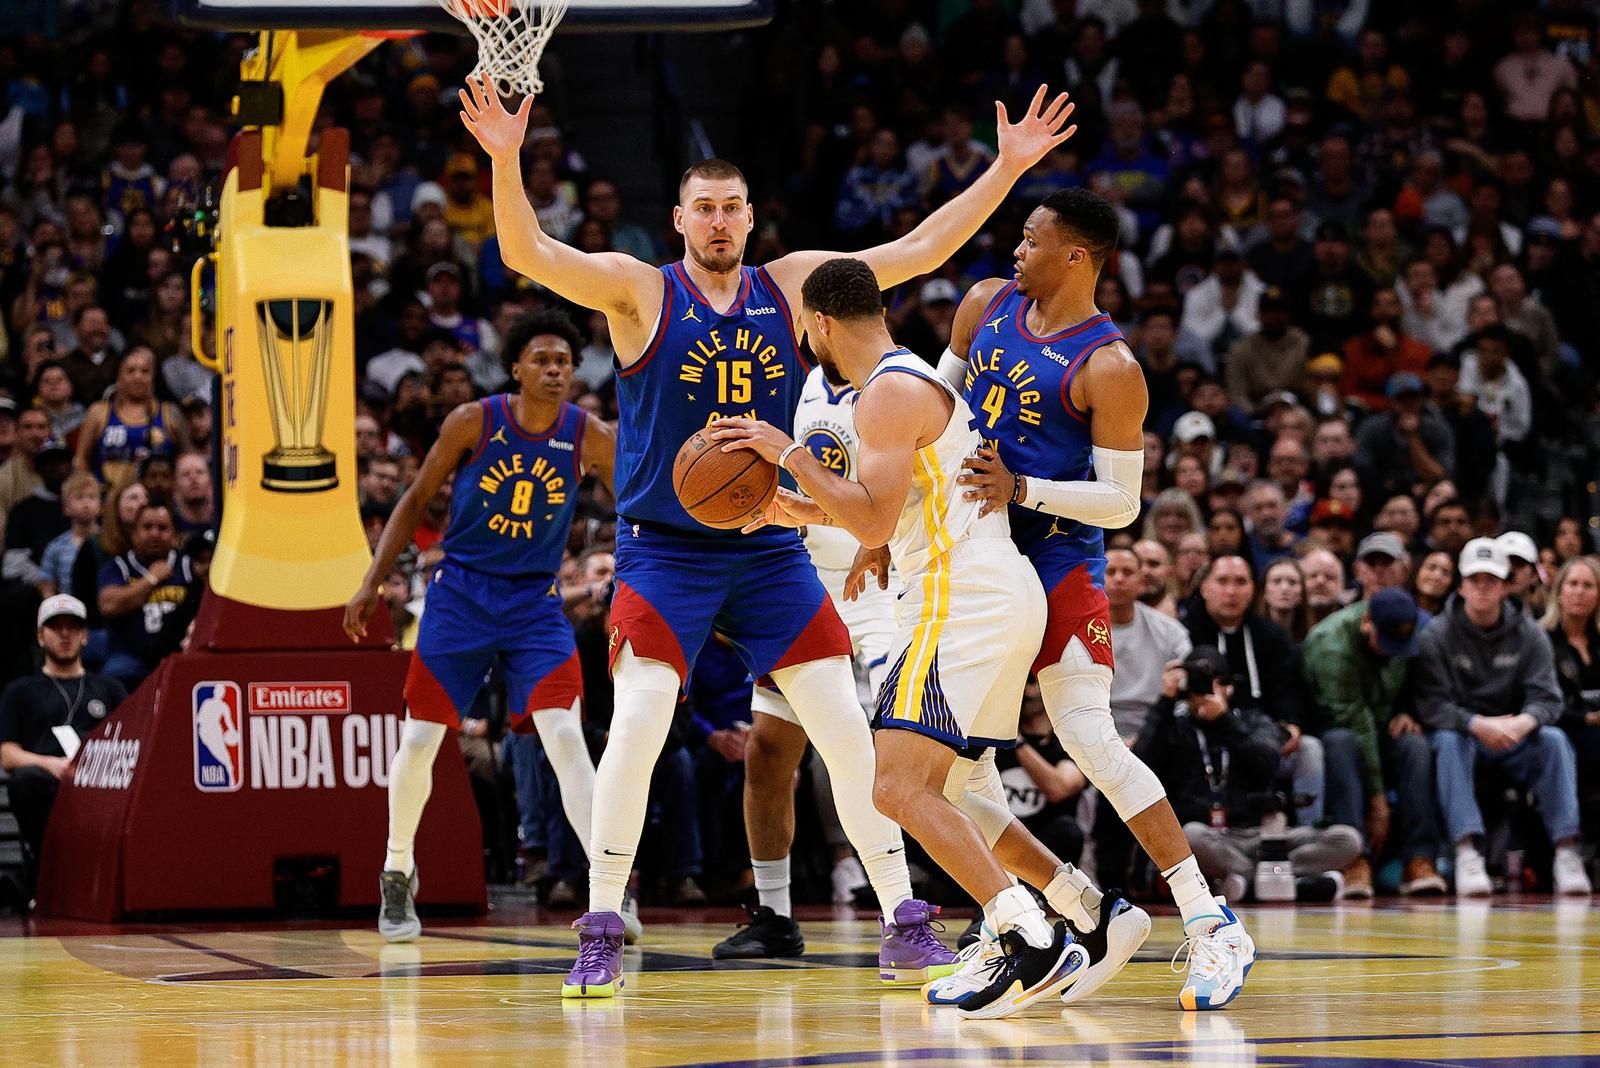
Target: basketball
[(722, 490)]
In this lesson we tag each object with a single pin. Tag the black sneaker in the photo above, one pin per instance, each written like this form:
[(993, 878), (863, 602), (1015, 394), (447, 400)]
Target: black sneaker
[(766, 935), (1026, 974), (1319, 888), (1120, 930)]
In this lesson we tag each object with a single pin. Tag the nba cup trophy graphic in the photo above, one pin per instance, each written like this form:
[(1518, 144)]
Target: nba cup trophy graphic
[(269, 739), (296, 353)]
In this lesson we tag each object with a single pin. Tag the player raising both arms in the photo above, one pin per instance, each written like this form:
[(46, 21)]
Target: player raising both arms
[(703, 338), (517, 461), (1061, 403)]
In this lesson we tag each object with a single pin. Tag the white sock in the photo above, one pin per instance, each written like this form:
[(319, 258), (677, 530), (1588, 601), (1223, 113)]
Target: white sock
[(1014, 908), (890, 878), (772, 884), (1193, 895), (647, 690), (822, 694), (561, 731), (410, 783), (1072, 895)]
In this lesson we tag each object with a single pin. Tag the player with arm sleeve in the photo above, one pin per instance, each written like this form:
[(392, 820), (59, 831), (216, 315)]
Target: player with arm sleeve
[(516, 461), (697, 340), (1060, 401)]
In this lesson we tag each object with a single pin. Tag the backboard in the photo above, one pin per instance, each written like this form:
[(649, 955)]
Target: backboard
[(582, 15)]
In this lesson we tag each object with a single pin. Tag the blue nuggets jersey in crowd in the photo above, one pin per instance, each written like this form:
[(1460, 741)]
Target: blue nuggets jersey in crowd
[(515, 496), (1019, 386), (701, 365)]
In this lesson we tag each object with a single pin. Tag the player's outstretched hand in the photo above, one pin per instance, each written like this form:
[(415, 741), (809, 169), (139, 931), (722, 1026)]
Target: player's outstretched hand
[(987, 480), (790, 509), (499, 131), (766, 440), (1030, 139), (867, 562), (359, 610)]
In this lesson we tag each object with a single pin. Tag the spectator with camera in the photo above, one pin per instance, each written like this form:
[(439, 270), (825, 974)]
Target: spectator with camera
[(1219, 762), (1487, 694), (1357, 665)]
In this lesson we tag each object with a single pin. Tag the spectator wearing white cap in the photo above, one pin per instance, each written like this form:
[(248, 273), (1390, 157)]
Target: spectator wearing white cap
[(1194, 434), (925, 327), (1486, 691), (1524, 584), (43, 717)]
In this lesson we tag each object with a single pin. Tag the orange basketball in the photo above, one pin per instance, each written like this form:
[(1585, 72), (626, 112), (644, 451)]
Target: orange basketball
[(722, 490)]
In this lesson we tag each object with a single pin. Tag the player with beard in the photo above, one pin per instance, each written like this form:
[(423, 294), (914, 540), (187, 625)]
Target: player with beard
[(1061, 402), (701, 339)]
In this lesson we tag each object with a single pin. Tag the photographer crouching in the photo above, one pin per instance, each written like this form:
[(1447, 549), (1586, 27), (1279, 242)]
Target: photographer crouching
[(1219, 763)]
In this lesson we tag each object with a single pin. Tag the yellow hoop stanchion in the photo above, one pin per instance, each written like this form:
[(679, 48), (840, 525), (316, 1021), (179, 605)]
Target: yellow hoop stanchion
[(196, 319)]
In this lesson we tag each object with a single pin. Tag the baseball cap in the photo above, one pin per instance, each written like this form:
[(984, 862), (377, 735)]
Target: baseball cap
[(1230, 477), (1272, 298), (444, 267), (939, 289), (1330, 510), (1518, 546), (1398, 620), (428, 193), (1403, 384), (62, 604), (1544, 226), (1382, 543), (1325, 363), (8, 407), (1277, 397), (1483, 556), (1191, 426), (50, 445)]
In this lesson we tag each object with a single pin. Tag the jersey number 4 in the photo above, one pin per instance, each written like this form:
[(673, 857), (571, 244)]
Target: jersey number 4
[(994, 404)]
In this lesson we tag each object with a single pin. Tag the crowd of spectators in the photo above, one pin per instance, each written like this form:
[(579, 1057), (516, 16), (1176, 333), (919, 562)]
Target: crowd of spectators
[(1359, 262)]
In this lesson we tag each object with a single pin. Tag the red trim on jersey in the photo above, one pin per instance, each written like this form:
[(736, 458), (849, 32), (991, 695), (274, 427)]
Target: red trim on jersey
[(483, 432), (1072, 372), (661, 331), (788, 316), (694, 290), (511, 419), (558, 689), (426, 699), (635, 621), (1022, 326), (825, 636), (988, 313), (1077, 609)]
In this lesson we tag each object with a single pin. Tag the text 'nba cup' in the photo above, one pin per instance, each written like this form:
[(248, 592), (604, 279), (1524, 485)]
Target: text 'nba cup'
[(296, 336)]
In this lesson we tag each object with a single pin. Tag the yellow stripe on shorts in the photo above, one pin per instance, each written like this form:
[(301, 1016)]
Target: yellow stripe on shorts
[(935, 595)]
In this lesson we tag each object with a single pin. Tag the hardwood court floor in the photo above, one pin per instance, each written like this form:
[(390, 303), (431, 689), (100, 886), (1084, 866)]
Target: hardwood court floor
[(1436, 983)]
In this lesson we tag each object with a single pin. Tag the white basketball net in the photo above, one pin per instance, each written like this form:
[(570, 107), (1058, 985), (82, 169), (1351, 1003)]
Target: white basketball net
[(511, 36)]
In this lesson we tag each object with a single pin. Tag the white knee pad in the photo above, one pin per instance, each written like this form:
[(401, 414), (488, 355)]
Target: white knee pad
[(969, 788), (1077, 694)]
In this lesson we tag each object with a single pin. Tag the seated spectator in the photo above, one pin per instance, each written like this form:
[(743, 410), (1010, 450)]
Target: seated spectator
[(1042, 783), (44, 716), (1575, 642), (1332, 527), (1172, 515), (1266, 508), (1149, 643), (1193, 553), (1326, 592), (1399, 516), (35, 520), (1357, 665), (603, 201), (1270, 359), (1434, 581), (1406, 445), (193, 500), (1487, 693), (80, 503), (1433, 317), (119, 433), (1381, 563), (1219, 762), (138, 590), (1502, 393), (92, 364), (1337, 296), (53, 396), (1449, 526), (1525, 584), (1282, 598), (18, 476), (1158, 582), (1372, 359), (1224, 306), (874, 189)]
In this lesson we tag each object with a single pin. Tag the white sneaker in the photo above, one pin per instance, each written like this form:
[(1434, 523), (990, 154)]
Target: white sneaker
[(976, 967), (848, 877), (1570, 878), (1120, 930), (632, 929), (1472, 878), (1220, 960), (1234, 887)]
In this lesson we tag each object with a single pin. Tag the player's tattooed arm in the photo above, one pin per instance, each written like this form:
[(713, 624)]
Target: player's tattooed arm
[(938, 237), (458, 437)]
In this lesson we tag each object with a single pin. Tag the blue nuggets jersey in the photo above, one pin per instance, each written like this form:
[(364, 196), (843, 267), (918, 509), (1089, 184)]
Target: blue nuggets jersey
[(515, 496), (701, 365), (1020, 388)]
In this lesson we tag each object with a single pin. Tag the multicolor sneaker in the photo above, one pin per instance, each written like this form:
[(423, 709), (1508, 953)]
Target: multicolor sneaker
[(1220, 958), (976, 966), (397, 916), (598, 971), (1025, 974), (1121, 930), (910, 953)]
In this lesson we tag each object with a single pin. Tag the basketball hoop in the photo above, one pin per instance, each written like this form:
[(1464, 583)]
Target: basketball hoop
[(511, 36)]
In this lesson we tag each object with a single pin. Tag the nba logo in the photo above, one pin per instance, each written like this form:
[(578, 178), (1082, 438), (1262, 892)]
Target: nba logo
[(218, 737)]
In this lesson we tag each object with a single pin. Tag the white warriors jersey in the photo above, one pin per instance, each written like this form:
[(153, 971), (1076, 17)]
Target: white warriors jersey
[(825, 423), (936, 516)]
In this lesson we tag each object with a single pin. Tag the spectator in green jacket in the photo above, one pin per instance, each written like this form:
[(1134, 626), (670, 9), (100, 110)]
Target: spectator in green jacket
[(1357, 666)]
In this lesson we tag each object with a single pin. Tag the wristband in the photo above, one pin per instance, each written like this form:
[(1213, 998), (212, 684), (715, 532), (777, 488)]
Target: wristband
[(783, 457), (1016, 489)]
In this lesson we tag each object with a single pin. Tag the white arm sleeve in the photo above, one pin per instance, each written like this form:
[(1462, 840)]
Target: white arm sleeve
[(1110, 501), (953, 369)]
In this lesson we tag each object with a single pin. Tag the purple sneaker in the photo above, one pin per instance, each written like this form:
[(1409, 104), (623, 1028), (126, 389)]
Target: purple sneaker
[(910, 953), (598, 972)]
